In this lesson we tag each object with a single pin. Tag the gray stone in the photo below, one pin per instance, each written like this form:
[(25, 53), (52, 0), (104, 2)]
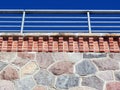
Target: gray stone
[(60, 56), (24, 84), (67, 81), (6, 85), (105, 75), (44, 59), (2, 65), (117, 75), (51, 89), (82, 88), (93, 81), (94, 55), (44, 78), (108, 64), (85, 68), (75, 57), (115, 56), (7, 56)]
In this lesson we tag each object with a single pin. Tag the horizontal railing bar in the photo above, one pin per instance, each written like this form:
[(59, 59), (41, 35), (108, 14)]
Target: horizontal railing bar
[(55, 31), (9, 30), (105, 21), (107, 31), (105, 26), (66, 17), (105, 17), (9, 17), (57, 17), (60, 21), (10, 21), (55, 21), (56, 26), (72, 11), (66, 10), (62, 17), (9, 26), (9, 11), (56, 11)]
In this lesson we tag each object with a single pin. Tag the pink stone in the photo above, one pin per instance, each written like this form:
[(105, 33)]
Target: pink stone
[(62, 68), (23, 58), (9, 73), (26, 55), (6, 85), (40, 88), (44, 59), (20, 62), (113, 86)]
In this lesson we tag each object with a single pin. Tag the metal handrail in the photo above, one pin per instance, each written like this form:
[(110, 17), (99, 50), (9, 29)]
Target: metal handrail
[(89, 21)]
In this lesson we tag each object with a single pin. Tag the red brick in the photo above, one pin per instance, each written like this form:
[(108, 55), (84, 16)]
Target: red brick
[(101, 44)]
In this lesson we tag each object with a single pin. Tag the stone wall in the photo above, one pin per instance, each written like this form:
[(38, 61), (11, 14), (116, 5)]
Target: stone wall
[(59, 71)]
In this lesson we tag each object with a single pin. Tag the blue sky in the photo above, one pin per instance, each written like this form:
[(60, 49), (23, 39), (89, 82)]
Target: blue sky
[(60, 4)]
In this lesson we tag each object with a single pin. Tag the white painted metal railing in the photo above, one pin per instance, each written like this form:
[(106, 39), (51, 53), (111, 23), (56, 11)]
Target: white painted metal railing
[(75, 21)]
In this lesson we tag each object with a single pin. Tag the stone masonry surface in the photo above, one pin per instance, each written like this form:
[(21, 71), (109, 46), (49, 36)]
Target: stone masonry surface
[(59, 71)]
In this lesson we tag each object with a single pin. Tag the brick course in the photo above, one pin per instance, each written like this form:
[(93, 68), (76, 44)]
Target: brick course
[(60, 44)]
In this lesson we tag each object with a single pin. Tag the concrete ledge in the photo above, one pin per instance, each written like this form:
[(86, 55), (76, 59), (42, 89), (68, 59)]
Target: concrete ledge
[(60, 34)]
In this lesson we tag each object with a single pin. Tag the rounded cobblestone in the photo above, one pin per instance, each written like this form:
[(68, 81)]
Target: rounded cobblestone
[(24, 83), (64, 67), (67, 81), (6, 85), (29, 69), (85, 68), (93, 81), (113, 86), (44, 78), (44, 59), (107, 64), (9, 73)]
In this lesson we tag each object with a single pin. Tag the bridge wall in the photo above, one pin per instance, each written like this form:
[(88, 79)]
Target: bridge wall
[(59, 62), (59, 71)]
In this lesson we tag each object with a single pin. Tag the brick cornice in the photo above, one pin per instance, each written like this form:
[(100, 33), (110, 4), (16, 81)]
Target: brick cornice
[(58, 43)]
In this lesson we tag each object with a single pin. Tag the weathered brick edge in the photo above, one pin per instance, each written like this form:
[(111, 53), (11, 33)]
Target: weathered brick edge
[(60, 44), (59, 71)]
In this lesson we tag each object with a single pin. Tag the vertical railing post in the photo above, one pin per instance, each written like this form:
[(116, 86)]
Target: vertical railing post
[(22, 24), (89, 23)]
